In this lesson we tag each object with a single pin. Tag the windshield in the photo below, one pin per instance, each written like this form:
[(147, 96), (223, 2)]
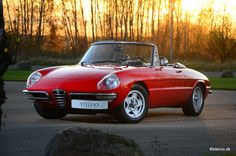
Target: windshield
[(119, 53)]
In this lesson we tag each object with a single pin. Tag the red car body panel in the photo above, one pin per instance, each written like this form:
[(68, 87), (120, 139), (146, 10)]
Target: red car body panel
[(166, 86)]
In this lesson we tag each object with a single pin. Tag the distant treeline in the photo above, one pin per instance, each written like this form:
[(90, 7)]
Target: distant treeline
[(69, 26)]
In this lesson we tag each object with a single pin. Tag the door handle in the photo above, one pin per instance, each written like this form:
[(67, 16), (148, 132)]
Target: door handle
[(159, 69), (178, 71)]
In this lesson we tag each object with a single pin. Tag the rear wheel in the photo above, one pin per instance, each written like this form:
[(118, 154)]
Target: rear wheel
[(49, 113), (134, 107), (195, 104)]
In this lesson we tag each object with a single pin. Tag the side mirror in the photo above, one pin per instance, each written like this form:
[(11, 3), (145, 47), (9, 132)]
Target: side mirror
[(179, 65), (163, 61)]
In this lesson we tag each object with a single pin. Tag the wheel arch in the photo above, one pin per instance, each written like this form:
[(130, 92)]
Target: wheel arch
[(121, 111), (203, 85), (141, 83)]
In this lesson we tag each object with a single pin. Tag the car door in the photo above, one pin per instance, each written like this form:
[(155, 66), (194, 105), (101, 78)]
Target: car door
[(169, 86)]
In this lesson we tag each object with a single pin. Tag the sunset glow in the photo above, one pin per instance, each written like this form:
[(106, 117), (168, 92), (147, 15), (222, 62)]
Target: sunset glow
[(220, 7), (193, 7), (70, 26)]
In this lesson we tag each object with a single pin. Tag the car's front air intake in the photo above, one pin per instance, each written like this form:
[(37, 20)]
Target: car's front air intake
[(60, 97)]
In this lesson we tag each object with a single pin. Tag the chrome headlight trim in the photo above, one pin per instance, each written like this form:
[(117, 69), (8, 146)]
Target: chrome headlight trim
[(33, 78), (109, 82)]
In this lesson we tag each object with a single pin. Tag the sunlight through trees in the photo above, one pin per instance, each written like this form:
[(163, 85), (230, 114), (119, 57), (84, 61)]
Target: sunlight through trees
[(200, 28)]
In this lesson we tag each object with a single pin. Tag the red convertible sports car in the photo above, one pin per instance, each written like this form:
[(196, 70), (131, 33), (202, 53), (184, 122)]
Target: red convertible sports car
[(122, 78)]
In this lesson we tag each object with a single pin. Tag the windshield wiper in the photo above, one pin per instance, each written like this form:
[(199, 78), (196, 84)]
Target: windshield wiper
[(123, 63), (104, 61), (85, 62)]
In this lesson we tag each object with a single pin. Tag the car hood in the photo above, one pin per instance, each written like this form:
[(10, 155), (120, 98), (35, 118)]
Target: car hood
[(81, 72), (74, 78)]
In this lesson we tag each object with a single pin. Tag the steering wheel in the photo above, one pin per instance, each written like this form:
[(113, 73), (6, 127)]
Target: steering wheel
[(139, 58)]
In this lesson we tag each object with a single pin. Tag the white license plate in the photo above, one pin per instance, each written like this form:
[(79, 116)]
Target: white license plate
[(89, 104)]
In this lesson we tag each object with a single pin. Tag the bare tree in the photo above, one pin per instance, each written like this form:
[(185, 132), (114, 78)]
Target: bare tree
[(84, 23), (2, 98), (134, 20), (39, 36), (2, 24), (186, 35), (5, 59), (9, 15), (75, 19), (92, 20), (222, 41)]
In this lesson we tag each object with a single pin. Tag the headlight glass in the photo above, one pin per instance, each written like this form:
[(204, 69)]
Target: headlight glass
[(110, 81), (33, 78)]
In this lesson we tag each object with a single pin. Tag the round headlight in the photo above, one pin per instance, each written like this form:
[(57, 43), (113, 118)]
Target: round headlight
[(110, 81), (33, 78)]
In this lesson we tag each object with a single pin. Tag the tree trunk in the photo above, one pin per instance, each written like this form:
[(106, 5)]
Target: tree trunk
[(92, 20), (158, 21), (100, 21), (84, 25), (153, 20), (2, 92), (9, 16), (32, 19), (116, 20), (75, 27), (39, 33), (1, 16)]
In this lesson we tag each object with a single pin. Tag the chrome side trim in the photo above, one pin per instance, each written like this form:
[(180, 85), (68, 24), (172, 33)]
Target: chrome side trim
[(37, 95), (99, 94), (26, 91)]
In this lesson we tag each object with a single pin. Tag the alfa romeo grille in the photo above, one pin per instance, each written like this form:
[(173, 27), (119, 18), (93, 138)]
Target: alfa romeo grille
[(60, 97)]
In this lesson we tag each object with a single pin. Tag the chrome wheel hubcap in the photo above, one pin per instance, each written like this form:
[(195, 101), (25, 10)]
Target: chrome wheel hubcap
[(134, 104), (197, 99)]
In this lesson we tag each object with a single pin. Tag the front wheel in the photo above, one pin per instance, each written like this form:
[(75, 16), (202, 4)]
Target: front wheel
[(195, 104), (49, 113), (135, 106)]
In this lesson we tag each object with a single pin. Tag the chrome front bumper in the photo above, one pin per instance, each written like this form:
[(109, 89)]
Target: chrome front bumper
[(37, 95), (43, 95), (93, 96)]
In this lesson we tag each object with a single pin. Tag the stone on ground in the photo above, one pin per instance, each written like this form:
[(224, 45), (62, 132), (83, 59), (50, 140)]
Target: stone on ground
[(91, 142), (227, 74)]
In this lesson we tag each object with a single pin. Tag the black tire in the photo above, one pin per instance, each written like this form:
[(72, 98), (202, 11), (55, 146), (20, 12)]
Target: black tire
[(49, 113), (126, 112), (195, 104)]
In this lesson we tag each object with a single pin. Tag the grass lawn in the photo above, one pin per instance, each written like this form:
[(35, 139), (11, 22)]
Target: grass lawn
[(217, 83), (16, 75), (223, 83)]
